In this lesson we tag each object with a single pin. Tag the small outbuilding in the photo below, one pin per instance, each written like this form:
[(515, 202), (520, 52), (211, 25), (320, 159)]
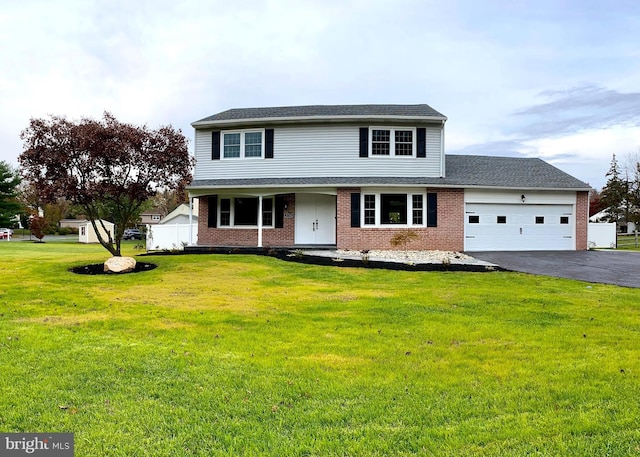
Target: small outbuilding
[(174, 232), (87, 234), (180, 215)]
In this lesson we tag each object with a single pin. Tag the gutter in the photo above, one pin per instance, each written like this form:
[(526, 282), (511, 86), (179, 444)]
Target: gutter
[(315, 119), (379, 184)]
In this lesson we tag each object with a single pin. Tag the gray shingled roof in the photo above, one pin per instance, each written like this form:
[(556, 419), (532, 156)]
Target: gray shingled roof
[(461, 171), (329, 111), (512, 172)]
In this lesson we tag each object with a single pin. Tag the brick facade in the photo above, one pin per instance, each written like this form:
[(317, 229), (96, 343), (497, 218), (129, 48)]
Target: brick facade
[(241, 237), (582, 220), (447, 236)]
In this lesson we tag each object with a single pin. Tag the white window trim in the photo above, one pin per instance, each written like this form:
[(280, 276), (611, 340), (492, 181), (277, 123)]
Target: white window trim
[(392, 142), (242, 143), (232, 212), (409, 193)]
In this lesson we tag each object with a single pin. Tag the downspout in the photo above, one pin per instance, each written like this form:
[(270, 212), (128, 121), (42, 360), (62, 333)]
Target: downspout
[(442, 154)]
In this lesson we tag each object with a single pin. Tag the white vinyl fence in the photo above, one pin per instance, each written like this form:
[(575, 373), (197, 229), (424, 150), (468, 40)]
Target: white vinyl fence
[(170, 237), (601, 235)]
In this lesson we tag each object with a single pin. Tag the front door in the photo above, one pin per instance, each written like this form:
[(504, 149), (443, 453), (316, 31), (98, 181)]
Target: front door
[(315, 219)]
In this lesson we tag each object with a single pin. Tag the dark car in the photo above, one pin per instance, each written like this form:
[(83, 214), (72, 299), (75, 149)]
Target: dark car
[(132, 234)]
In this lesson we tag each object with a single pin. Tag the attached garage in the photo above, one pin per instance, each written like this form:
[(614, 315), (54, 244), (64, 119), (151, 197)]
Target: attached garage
[(539, 221)]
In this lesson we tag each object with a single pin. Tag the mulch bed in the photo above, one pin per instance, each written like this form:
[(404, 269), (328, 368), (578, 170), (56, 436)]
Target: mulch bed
[(98, 269)]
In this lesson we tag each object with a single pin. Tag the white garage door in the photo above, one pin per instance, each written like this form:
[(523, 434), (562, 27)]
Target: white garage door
[(508, 227)]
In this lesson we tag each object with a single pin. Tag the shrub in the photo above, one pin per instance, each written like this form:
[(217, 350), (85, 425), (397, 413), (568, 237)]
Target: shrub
[(403, 238)]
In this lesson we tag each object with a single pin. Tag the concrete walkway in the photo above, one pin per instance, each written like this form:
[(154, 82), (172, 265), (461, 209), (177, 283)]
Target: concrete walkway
[(621, 268)]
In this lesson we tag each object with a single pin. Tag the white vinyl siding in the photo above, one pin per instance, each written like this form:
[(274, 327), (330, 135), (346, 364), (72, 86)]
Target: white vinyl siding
[(317, 151)]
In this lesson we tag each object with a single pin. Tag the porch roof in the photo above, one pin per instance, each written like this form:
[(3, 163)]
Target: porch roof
[(462, 171)]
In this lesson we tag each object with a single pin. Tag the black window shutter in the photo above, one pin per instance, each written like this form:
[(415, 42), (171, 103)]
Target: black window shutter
[(432, 209), (364, 141), (215, 145), (355, 209), (279, 211), (268, 144), (422, 142), (212, 220)]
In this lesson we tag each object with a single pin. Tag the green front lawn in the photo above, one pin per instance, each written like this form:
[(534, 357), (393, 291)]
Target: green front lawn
[(244, 355), (627, 242)]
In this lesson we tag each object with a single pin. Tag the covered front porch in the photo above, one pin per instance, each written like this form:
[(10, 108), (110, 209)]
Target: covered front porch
[(265, 218)]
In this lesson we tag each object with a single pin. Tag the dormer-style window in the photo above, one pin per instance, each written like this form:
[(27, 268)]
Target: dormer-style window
[(242, 144), (392, 141)]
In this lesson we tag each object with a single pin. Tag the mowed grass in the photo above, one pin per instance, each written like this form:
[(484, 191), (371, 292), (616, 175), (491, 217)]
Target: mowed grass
[(244, 355)]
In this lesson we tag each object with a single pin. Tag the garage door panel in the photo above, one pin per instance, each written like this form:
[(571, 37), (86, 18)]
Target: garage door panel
[(508, 227)]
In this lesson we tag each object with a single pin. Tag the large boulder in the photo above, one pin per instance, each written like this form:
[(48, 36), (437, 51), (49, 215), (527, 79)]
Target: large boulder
[(120, 265)]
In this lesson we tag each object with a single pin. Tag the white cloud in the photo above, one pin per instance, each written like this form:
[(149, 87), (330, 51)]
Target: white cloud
[(163, 61)]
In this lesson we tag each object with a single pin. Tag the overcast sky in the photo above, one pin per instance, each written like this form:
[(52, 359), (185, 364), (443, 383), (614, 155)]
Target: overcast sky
[(554, 79)]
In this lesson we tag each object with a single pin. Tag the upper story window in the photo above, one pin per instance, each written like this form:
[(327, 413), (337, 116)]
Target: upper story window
[(392, 141), (241, 144)]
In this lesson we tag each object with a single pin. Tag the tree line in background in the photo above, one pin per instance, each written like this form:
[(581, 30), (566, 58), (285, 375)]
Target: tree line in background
[(620, 197), (21, 206)]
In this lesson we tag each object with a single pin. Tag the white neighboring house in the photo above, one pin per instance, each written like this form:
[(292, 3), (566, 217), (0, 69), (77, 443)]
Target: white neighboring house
[(86, 233), (180, 215), (174, 231), (603, 216)]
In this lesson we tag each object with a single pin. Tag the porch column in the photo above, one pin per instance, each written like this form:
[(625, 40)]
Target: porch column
[(260, 220), (190, 220)]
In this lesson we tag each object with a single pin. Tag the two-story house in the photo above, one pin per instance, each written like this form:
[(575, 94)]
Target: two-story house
[(353, 176)]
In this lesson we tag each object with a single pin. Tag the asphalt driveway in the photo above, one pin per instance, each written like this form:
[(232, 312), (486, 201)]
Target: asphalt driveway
[(621, 268)]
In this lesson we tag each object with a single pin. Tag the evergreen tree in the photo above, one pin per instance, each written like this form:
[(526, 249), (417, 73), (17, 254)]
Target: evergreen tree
[(614, 192), (9, 206), (633, 197)]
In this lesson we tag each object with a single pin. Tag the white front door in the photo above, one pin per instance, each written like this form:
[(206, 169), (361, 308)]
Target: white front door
[(315, 219)]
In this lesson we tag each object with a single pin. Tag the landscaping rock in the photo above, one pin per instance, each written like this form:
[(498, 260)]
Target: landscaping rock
[(120, 265)]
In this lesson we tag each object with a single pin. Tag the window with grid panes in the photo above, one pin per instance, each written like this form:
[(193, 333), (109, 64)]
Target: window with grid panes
[(381, 142), (418, 209), (404, 143), (231, 145), (369, 209), (242, 144), (253, 144), (267, 212), (225, 211)]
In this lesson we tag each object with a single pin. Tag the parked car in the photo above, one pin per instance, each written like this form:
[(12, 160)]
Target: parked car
[(132, 234), (5, 233)]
